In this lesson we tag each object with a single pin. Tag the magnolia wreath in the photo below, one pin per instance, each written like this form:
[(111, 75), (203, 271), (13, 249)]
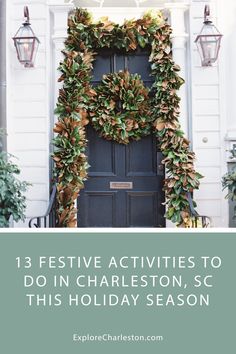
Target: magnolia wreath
[(120, 109)]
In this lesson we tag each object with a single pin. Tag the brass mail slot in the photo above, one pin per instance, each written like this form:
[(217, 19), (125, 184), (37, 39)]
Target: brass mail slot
[(121, 185)]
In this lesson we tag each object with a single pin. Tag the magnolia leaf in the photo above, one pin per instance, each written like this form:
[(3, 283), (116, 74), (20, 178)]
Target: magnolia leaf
[(159, 125), (141, 41)]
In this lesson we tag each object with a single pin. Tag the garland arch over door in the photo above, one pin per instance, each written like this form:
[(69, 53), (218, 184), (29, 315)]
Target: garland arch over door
[(71, 109)]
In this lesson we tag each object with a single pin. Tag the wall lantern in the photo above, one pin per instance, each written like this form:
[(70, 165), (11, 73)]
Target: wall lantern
[(26, 42), (208, 41)]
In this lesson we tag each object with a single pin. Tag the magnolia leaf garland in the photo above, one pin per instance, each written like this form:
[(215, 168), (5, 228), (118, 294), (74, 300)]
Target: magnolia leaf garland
[(120, 109), (69, 155), (76, 96)]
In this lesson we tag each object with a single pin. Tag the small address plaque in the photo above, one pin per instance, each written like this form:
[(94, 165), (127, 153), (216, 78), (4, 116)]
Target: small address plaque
[(121, 185)]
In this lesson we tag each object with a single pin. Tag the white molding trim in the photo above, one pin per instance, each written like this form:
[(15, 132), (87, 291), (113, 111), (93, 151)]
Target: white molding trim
[(179, 38)]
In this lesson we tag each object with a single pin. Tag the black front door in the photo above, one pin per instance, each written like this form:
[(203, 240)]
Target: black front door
[(124, 188)]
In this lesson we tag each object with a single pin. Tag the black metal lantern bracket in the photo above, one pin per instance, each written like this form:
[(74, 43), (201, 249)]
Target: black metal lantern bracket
[(26, 43)]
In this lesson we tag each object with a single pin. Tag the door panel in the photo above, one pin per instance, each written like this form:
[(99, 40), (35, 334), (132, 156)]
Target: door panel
[(138, 162), (100, 209), (101, 155), (142, 209), (140, 159)]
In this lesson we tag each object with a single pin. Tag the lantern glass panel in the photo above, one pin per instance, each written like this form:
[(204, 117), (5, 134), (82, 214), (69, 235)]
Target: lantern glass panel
[(25, 31), (25, 48), (36, 45)]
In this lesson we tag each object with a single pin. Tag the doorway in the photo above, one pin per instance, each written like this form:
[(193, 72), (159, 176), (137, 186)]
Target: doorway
[(124, 188)]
